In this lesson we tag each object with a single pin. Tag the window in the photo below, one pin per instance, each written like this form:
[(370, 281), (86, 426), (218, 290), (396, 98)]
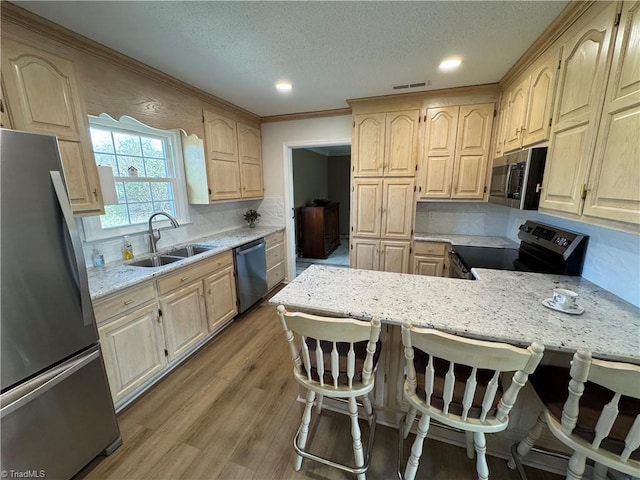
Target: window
[(148, 172)]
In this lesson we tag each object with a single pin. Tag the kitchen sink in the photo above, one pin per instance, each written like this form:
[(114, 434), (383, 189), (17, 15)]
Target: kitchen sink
[(188, 251), (156, 261)]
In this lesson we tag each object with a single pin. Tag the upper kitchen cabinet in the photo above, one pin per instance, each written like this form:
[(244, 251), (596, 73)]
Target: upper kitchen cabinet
[(456, 152), (581, 85), (528, 113), (231, 167), (42, 96), (385, 144), (613, 188), (250, 152)]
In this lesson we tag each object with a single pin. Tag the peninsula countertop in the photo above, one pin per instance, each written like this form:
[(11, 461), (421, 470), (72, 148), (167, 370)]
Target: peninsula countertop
[(500, 306), (119, 275), (475, 240)]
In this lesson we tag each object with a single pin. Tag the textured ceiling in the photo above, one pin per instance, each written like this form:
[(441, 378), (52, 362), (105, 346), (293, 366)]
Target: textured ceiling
[(330, 51)]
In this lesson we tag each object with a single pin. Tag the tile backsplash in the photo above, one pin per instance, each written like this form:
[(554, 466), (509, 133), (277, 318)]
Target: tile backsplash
[(204, 220), (465, 218)]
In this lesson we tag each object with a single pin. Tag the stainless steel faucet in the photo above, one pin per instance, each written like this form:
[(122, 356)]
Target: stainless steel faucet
[(154, 236)]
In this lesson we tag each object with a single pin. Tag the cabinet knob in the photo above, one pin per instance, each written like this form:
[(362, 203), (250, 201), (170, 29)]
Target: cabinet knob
[(184, 279), (128, 302), (95, 193)]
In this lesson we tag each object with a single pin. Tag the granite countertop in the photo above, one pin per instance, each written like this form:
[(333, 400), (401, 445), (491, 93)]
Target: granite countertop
[(500, 306), (475, 240), (118, 275)]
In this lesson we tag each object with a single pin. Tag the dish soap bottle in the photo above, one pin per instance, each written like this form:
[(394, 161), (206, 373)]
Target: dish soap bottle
[(97, 258), (127, 249)]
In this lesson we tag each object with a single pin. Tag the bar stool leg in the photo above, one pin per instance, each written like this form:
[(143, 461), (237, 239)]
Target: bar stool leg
[(599, 471), (480, 444), (301, 438), (527, 443), (366, 401), (470, 447), (576, 466), (408, 421), (416, 449), (358, 453)]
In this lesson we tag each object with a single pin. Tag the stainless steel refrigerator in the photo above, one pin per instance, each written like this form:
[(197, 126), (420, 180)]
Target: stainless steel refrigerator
[(56, 411)]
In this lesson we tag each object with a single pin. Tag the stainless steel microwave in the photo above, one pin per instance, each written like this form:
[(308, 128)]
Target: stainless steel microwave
[(516, 178)]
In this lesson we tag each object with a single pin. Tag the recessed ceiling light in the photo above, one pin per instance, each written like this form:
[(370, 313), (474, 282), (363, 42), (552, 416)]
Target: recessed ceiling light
[(284, 86), (450, 64)]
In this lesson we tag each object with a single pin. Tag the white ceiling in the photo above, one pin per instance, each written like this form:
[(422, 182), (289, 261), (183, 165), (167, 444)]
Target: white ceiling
[(330, 51)]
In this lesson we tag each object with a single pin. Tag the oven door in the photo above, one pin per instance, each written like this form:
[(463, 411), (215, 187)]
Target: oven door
[(457, 268)]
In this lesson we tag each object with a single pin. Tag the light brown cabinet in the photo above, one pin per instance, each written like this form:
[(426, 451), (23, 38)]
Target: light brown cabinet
[(383, 255), (386, 144), (231, 168), (383, 208), (430, 258), (528, 112), (274, 244), (42, 96), (581, 87), (613, 187), (456, 152), (220, 295)]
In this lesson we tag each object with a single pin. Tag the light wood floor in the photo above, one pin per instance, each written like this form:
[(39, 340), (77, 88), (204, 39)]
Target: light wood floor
[(230, 412)]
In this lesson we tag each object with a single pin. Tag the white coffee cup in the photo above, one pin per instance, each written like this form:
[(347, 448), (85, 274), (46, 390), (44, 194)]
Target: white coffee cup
[(564, 299)]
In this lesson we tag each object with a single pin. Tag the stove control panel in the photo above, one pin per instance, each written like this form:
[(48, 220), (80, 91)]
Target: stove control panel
[(548, 237)]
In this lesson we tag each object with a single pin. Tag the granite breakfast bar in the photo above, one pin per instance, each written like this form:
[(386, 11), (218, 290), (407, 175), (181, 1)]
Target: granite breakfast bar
[(499, 306)]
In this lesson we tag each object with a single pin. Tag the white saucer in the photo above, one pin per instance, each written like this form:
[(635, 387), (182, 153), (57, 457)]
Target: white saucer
[(577, 310)]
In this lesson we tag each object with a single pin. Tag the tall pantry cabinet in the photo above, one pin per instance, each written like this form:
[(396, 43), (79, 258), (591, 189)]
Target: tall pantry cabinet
[(385, 157)]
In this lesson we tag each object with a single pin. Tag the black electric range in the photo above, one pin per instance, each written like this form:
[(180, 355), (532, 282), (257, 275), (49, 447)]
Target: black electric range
[(543, 249)]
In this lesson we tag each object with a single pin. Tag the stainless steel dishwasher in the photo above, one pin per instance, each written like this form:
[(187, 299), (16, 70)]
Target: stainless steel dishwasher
[(251, 273)]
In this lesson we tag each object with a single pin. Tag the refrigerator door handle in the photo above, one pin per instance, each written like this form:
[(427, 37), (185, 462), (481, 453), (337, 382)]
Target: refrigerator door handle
[(40, 385), (65, 206)]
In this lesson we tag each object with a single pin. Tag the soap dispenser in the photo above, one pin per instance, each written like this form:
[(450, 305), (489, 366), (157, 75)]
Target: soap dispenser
[(127, 249), (97, 258)]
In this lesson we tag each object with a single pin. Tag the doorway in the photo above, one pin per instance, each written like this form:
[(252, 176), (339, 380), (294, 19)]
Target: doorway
[(320, 187)]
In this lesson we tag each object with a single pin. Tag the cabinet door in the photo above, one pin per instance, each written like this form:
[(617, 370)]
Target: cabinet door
[(222, 157), (250, 152), (432, 266), (397, 208), (472, 151), (184, 319), (367, 207), (401, 143), (220, 289), (368, 145), (502, 126), (614, 182), (439, 149), (364, 254), (133, 350), (394, 256), (515, 115), (43, 97), (5, 119), (577, 108), (541, 94)]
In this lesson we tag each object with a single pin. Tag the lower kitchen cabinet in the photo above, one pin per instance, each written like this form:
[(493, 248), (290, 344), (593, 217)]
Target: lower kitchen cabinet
[(430, 258), (184, 319), (275, 259), (220, 295), (133, 347), (383, 255)]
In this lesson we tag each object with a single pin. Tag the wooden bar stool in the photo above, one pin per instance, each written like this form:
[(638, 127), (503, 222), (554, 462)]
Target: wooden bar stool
[(455, 381), (336, 358), (593, 408)]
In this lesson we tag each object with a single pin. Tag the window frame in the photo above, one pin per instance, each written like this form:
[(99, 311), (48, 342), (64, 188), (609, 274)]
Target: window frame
[(92, 226)]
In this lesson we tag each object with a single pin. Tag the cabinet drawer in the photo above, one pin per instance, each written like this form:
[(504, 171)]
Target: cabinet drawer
[(187, 275), (273, 239), (275, 255), (430, 248), (275, 275), (119, 303)]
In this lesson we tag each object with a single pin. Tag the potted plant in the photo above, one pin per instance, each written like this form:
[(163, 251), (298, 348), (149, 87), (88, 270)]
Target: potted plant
[(251, 217)]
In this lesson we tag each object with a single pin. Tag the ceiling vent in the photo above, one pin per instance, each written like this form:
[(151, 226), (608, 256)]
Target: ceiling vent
[(412, 85)]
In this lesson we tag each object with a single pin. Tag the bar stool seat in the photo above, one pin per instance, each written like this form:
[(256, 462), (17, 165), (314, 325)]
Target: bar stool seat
[(335, 358), (593, 408)]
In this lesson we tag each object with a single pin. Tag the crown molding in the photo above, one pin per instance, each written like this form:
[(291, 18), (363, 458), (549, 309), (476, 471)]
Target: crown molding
[(287, 117)]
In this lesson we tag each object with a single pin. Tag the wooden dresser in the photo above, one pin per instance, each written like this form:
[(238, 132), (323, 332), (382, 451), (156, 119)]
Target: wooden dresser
[(320, 230)]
